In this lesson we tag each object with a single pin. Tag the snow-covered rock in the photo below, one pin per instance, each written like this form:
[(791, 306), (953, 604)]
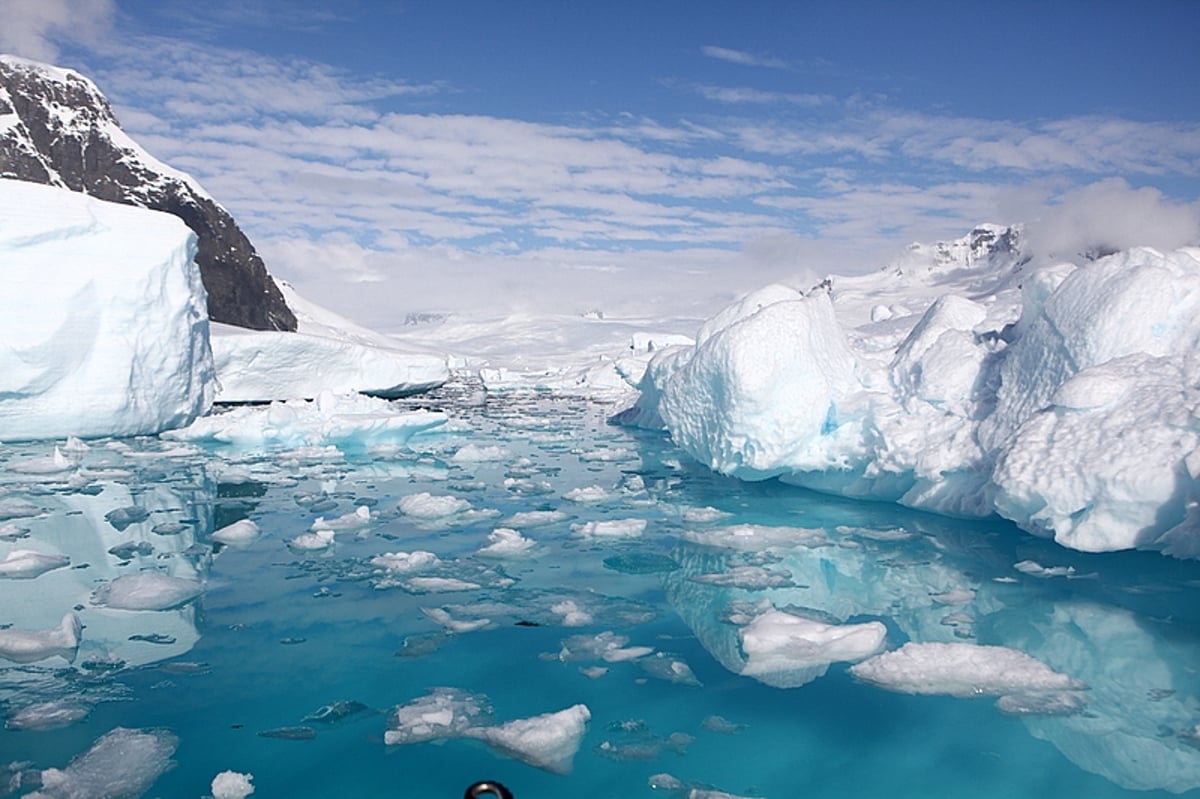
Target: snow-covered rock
[(105, 330), (1060, 396)]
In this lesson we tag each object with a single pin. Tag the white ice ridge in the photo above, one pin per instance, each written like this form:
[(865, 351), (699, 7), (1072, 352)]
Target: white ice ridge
[(961, 669), (1061, 397), (105, 329)]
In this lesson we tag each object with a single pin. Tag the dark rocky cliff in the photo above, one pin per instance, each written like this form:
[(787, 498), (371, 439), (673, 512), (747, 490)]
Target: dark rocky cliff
[(57, 128)]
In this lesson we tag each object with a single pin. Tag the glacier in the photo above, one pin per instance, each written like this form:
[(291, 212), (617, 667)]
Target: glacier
[(1060, 396)]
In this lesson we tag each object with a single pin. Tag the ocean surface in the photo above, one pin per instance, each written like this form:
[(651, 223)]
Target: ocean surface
[(640, 572)]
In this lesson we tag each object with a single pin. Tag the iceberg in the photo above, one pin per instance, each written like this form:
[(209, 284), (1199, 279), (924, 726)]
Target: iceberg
[(1056, 395), (105, 330)]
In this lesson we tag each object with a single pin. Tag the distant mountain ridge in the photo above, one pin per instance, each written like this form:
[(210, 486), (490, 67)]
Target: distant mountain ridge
[(57, 128)]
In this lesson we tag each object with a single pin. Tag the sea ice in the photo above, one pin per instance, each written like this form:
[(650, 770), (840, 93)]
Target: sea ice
[(147, 591), (548, 741), (25, 564), (426, 506), (47, 715), (961, 669), (30, 646), (239, 534), (232, 785), (442, 714), (121, 763), (504, 542), (786, 650), (610, 528)]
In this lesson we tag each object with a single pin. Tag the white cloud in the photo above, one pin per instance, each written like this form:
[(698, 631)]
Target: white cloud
[(742, 57), (35, 28)]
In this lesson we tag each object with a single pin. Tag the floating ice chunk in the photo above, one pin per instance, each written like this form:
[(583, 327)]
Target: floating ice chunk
[(722, 725), (961, 669), (571, 614), (121, 518), (1035, 569), (474, 453), (787, 650), (359, 517), (232, 785), (585, 494), (704, 515), (607, 646), (611, 528), (147, 591), (443, 617), (548, 741), (48, 715), (438, 585), (15, 508), (427, 506), (10, 531), (756, 537), (52, 464), (955, 596), (25, 564), (319, 541), (535, 518), (238, 535), (345, 419), (404, 562), (30, 646), (442, 714), (504, 542), (121, 763)]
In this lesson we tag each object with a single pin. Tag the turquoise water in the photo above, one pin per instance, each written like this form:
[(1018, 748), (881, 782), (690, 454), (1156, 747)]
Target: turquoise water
[(278, 634)]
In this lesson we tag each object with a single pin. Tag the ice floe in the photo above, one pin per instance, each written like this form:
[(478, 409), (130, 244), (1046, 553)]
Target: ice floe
[(149, 590), (121, 763), (961, 669), (30, 646)]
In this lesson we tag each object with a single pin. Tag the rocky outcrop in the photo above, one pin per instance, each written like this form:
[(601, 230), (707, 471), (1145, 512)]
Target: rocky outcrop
[(57, 128)]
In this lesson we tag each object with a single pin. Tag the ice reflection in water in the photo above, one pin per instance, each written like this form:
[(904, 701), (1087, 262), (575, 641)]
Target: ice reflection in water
[(530, 553)]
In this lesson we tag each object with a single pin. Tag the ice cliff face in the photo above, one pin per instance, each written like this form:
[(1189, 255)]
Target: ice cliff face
[(57, 128), (965, 380)]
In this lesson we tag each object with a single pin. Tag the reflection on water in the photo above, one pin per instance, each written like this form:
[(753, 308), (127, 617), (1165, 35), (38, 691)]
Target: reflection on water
[(532, 554)]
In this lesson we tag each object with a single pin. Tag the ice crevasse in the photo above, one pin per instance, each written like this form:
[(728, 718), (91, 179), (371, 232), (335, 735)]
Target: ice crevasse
[(1065, 398)]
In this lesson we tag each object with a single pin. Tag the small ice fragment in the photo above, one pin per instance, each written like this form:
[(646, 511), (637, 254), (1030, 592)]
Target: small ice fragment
[(781, 643), (360, 517), (442, 714), (319, 541), (47, 715), (427, 506), (404, 562), (52, 464), (961, 669), (17, 509), (232, 785), (593, 672), (722, 725), (571, 614), (30, 646), (535, 518), (473, 453), (587, 494), (290, 733), (704, 515), (443, 617), (548, 741), (239, 535), (337, 711), (10, 531), (121, 763), (612, 528), (147, 591), (504, 542), (750, 578), (1055, 703), (25, 564), (438, 585), (1035, 569)]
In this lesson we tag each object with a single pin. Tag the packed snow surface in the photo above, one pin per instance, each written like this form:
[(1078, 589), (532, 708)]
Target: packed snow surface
[(1060, 396), (105, 330)]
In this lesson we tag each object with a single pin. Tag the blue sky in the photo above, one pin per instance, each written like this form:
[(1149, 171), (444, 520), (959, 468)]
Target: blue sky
[(390, 157)]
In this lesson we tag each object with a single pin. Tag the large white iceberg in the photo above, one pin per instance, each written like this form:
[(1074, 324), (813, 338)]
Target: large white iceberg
[(1062, 397), (104, 330)]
